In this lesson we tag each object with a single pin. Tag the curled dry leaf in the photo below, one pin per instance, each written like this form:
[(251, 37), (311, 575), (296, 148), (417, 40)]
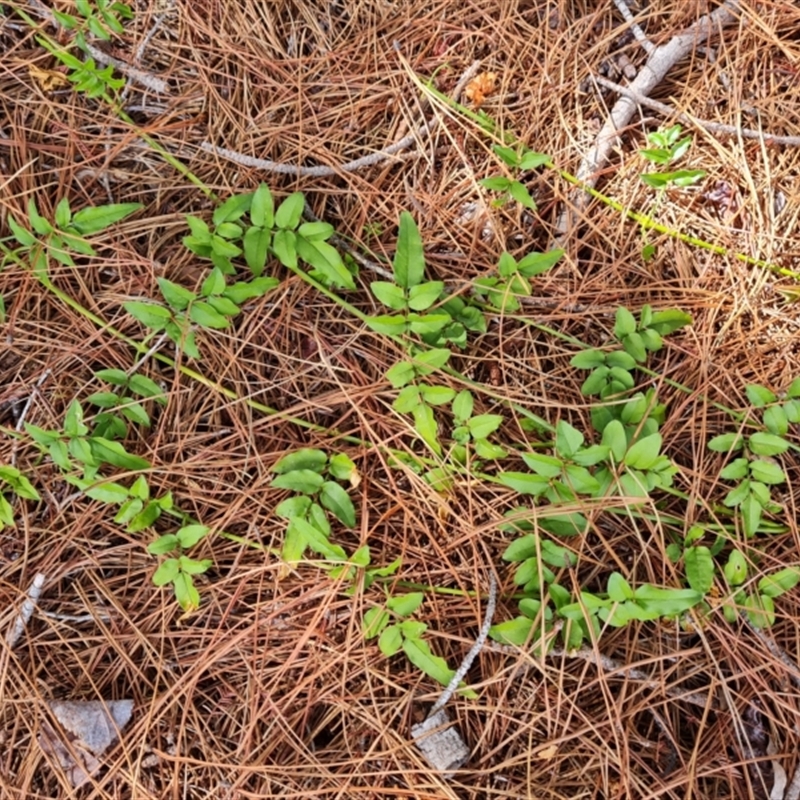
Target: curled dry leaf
[(90, 727)]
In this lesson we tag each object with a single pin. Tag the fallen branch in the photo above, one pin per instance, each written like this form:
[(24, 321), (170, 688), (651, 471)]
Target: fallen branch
[(26, 611)]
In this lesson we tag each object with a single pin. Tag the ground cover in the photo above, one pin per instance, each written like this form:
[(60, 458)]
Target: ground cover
[(271, 435)]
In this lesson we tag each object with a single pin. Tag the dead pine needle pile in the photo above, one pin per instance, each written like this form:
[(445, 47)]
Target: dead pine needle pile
[(345, 343)]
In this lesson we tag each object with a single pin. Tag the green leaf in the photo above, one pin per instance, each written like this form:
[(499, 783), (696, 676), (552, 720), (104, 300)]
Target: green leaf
[(390, 641), (557, 556), (419, 654), (425, 363), (400, 374), (232, 209), (580, 480), (429, 323), (149, 314), (262, 207), (767, 444), (229, 230), (206, 316), (726, 443), (667, 602), (314, 538), (390, 294), (760, 610), (794, 388), (760, 396), (58, 452), (412, 628), (20, 485), (483, 425), (107, 493), (167, 572), (521, 549), (515, 631), (615, 438), (544, 465), (285, 248), (779, 582), (426, 426), (436, 395), (592, 455), (316, 231), (338, 502), (387, 324), (145, 518), (496, 183), (463, 405), (670, 320), (115, 454), (524, 482), (568, 439), (256, 244), (290, 211), (293, 507), (185, 592), (163, 545), (63, 214), (190, 535), (699, 568), (81, 451), (521, 194), (644, 453), (176, 296), (596, 381), (38, 222), (98, 218), (766, 472), (243, 291), (374, 621), (23, 236), (736, 568), (306, 481), (625, 323), (565, 524), (194, 567), (146, 387), (73, 421), (409, 258), (405, 605), (305, 458), (634, 345), (588, 359), (776, 420), (325, 259), (619, 590), (736, 470), (424, 295), (531, 160)]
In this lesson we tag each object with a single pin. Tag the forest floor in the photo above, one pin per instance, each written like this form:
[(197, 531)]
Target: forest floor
[(269, 688)]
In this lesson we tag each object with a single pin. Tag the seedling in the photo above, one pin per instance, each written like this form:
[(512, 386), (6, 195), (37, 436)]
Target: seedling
[(519, 160)]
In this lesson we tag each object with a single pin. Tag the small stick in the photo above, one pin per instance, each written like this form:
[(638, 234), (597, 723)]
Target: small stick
[(474, 650), (640, 35), (21, 421), (26, 611), (323, 171), (442, 746), (713, 127)]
